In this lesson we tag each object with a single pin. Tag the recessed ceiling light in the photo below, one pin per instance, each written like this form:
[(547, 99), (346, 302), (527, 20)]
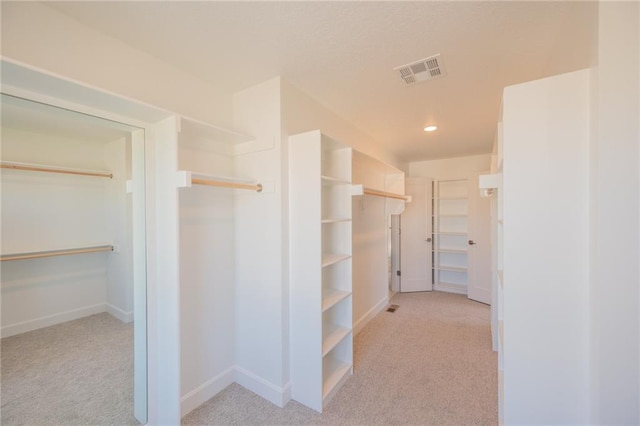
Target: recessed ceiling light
[(430, 128)]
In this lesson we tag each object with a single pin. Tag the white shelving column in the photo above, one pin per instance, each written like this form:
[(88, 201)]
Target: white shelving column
[(545, 257), (321, 269), (450, 235)]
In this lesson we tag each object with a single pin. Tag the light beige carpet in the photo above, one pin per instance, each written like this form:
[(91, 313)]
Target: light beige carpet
[(429, 363), (76, 373)]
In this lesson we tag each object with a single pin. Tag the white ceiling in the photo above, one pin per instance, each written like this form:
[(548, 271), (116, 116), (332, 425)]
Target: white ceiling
[(343, 55)]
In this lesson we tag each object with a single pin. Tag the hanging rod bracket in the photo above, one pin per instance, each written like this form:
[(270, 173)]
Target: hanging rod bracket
[(183, 179)]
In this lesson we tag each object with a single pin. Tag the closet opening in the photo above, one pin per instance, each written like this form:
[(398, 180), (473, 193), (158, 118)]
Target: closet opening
[(73, 270)]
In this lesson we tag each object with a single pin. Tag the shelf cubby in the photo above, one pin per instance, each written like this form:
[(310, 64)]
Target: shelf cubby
[(337, 366)]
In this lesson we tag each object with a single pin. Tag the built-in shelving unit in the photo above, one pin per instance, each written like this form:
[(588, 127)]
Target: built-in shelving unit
[(450, 207), (321, 269)]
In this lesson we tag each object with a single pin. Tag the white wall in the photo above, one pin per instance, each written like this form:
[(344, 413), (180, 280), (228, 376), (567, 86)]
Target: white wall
[(370, 240), (119, 226), (207, 278), (546, 254), (370, 273), (450, 168), (614, 224), (262, 311)]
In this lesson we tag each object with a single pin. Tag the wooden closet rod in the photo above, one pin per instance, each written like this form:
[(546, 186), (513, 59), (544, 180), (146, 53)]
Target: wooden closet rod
[(51, 253), (39, 168), (377, 193), (212, 182)]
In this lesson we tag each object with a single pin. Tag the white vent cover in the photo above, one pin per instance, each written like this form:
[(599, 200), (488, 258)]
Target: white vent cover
[(422, 70)]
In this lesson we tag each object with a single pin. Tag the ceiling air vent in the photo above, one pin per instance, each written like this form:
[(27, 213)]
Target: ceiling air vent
[(422, 70)]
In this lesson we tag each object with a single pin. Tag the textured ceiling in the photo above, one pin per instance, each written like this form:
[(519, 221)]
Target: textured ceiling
[(343, 55)]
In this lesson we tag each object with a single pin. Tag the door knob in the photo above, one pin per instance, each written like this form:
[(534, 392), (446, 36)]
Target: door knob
[(471, 242)]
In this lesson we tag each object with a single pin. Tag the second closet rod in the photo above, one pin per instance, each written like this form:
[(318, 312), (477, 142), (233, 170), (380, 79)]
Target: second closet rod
[(40, 168), (51, 253), (377, 193), (212, 182)]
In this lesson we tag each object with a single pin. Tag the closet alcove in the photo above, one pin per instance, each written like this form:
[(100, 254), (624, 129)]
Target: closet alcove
[(208, 194), (72, 231)]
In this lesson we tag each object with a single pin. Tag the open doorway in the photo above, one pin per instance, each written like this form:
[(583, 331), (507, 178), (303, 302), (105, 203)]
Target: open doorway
[(73, 267)]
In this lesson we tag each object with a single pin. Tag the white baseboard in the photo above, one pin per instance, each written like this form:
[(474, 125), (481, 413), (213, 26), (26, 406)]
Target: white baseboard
[(206, 391), (364, 320), (119, 313), (261, 387), (210, 388), (49, 320)]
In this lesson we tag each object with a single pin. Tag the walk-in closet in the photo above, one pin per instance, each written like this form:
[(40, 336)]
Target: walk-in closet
[(73, 230)]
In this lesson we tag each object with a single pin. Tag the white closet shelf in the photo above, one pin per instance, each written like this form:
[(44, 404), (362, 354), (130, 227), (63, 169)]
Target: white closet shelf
[(331, 258), (450, 268), (55, 169), (332, 335), (334, 373), (451, 198), (188, 178), (52, 253), (199, 130), (336, 220), (451, 250), (378, 193), (330, 180), (450, 233), (332, 296), (451, 215)]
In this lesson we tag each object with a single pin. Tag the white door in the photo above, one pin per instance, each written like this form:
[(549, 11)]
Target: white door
[(415, 237), (479, 285)]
